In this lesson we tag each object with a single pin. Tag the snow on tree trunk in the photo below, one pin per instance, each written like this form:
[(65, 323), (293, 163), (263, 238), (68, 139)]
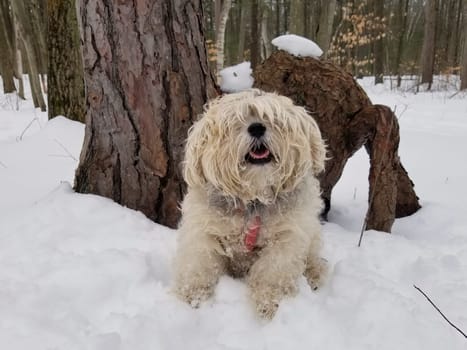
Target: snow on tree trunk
[(147, 79), (347, 120)]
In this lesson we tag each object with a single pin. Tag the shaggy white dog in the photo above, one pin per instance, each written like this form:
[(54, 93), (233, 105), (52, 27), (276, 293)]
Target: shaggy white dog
[(253, 199)]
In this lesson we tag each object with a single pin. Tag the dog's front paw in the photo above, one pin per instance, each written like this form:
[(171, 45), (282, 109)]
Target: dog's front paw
[(267, 298), (316, 273), (266, 309), (194, 295)]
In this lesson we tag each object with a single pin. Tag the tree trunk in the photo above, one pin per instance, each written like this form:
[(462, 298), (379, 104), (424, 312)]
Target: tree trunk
[(265, 40), (403, 12), (456, 37), (38, 13), (18, 69), (297, 17), (6, 49), (326, 21), (255, 50), (428, 49), (378, 44), (241, 33), (6, 65), (278, 10), (464, 51), (220, 36), (65, 72), (347, 120), (147, 81), (27, 37)]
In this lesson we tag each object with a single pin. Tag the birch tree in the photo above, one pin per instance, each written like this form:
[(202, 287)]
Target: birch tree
[(220, 35)]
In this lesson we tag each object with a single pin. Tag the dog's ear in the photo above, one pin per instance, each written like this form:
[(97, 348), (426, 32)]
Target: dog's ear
[(317, 147), (196, 141)]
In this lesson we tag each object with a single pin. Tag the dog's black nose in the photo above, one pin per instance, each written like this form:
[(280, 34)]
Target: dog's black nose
[(256, 130)]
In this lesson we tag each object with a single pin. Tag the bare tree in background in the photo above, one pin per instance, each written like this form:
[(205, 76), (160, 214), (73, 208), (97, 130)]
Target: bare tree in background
[(378, 44), (464, 52), (220, 34), (403, 8), (6, 48), (65, 69), (427, 60), (255, 49), (326, 21), (30, 35), (147, 79), (297, 17)]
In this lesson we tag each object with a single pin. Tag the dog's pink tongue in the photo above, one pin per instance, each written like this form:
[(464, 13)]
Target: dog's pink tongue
[(260, 155)]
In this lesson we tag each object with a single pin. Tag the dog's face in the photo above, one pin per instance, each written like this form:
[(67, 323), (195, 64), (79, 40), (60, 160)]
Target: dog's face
[(253, 145)]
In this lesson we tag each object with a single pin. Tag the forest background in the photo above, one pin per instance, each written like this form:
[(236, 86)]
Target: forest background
[(397, 39)]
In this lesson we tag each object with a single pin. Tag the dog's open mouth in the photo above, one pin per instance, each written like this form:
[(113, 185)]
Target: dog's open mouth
[(259, 154)]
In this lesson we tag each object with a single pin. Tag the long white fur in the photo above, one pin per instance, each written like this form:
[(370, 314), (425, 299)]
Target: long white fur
[(222, 186)]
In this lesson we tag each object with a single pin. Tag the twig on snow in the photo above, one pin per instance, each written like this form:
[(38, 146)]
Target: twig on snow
[(20, 138), (406, 106), (66, 150), (437, 309)]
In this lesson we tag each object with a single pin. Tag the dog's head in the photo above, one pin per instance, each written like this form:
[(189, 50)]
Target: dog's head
[(253, 145)]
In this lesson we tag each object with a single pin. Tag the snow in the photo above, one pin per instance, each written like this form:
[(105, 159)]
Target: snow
[(81, 272), (297, 45), (236, 78)]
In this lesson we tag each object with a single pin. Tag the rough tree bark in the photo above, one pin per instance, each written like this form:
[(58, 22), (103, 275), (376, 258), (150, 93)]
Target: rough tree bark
[(65, 73), (147, 79), (347, 120)]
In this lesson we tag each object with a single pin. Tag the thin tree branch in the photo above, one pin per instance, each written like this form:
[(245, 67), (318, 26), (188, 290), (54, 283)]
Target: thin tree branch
[(437, 309), (20, 138), (66, 150)]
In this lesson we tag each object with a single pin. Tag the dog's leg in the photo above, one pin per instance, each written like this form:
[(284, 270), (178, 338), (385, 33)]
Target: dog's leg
[(316, 267), (275, 274), (316, 271), (197, 269)]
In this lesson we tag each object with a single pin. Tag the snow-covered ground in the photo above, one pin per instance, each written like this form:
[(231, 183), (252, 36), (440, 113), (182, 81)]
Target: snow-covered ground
[(81, 272)]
